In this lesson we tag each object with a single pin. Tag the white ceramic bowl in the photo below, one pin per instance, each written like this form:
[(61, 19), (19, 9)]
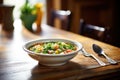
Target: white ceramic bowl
[(52, 59)]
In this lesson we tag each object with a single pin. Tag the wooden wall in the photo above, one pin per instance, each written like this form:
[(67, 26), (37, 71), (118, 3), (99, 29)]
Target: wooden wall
[(1, 1), (97, 12)]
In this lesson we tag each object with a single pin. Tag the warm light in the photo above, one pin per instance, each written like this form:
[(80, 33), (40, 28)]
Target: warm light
[(64, 12), (97, 28)]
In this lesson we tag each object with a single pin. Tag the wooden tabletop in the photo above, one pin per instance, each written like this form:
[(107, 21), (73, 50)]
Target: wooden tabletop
[(16, 64)]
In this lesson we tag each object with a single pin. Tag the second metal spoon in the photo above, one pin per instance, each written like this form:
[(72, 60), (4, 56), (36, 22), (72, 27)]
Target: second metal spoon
[(99, 51)]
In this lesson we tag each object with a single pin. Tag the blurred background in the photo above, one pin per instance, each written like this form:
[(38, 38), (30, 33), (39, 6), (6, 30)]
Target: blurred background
[(103, 13), (19, 4)]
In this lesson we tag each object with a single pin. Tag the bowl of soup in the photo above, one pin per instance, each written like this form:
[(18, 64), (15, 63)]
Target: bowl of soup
[(52, 52)]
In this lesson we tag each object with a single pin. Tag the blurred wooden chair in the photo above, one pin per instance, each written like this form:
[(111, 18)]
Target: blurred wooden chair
[(95, 32), (61, 19)]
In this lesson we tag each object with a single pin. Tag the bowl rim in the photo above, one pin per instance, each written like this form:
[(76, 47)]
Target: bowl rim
[(78, 44)]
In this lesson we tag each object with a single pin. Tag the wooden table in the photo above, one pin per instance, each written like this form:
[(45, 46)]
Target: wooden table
[(15, 64)]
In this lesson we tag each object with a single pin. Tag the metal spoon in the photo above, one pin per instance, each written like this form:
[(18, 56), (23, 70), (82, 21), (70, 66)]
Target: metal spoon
[(99, 51)]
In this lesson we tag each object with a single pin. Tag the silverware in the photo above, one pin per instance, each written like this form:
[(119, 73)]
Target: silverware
[(99, 51), (91, 55)]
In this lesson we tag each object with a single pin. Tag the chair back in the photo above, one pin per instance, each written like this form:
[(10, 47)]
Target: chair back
[(93, 31), (63, 16)]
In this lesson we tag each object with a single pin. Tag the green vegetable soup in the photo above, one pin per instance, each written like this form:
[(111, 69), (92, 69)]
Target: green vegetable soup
[(53, 48)]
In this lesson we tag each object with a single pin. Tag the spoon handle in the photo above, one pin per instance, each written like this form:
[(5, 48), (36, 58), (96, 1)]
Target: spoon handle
[(109, 59), (99, 61)]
